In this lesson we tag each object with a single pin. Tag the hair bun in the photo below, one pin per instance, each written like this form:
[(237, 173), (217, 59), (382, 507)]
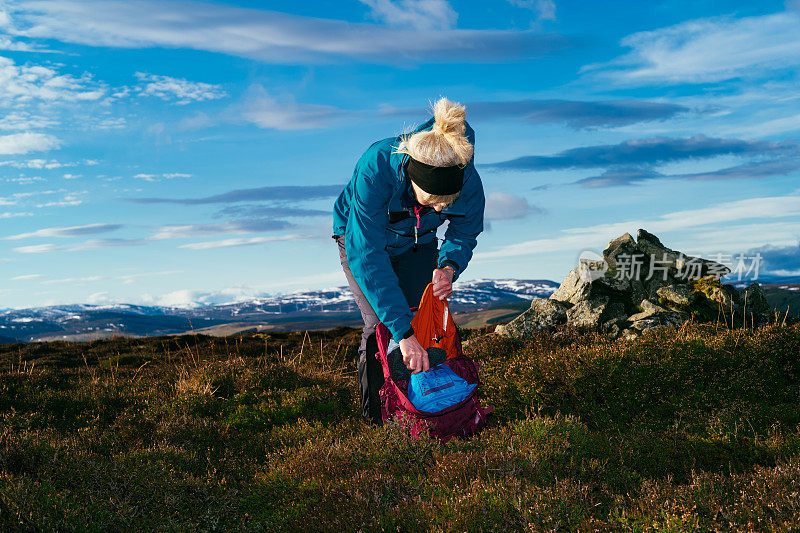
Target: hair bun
[(448, 117), (445, 144)]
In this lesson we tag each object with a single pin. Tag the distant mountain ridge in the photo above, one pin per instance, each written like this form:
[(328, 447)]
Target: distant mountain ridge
[(305, 309), (319, 309)]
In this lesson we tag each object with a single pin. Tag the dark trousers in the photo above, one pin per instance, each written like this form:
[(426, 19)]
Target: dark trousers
[(414, 270)]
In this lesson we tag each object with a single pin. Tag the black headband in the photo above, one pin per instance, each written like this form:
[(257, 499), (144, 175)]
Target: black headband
[(435, 180)]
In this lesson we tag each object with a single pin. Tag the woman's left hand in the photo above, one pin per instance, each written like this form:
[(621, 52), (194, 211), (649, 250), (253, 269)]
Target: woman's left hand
[(443, 282)]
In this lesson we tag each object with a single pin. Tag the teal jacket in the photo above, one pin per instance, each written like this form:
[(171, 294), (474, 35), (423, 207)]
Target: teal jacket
[(372, 213)]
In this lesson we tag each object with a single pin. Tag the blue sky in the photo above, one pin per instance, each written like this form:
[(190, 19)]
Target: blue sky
[(184, 153)]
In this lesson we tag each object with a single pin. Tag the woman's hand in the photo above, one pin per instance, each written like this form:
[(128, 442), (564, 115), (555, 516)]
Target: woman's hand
[(443, 282), (414, 355)]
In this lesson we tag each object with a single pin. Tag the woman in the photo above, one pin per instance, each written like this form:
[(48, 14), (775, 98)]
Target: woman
[(385, 221)]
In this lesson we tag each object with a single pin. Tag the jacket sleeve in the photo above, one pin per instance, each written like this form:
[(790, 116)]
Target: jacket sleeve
[(462, 231), (365, 245)]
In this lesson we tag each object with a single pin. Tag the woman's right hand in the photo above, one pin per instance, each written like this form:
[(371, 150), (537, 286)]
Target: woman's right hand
[(415, 357)]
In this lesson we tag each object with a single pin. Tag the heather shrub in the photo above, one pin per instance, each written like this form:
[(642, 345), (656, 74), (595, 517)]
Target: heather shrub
[(690, 428)]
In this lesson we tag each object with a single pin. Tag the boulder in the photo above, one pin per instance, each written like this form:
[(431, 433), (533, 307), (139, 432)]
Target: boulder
[(667, 318), (544, 313), (754, 300), (573, 289), (611, 283), (715, 297), (623, 244), (653, 315), (588, 313), (648, 309), (675, 296)]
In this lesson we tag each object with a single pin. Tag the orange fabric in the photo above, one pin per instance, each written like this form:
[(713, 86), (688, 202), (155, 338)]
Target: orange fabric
[(433, 324)]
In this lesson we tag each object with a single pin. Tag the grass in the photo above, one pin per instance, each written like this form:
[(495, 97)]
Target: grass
[(686, 428)]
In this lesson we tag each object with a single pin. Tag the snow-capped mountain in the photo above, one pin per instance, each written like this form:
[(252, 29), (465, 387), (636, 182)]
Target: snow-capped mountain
[(307, 309)]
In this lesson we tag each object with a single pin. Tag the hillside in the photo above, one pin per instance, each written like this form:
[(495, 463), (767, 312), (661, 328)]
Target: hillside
[(689, 428)]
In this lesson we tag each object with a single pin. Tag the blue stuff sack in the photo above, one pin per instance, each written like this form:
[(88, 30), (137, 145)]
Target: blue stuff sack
[(437, 389)]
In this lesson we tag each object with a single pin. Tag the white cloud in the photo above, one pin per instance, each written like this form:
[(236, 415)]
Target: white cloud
[(265, 111), (197, 298), (226, 243), (67, 231), (131, 278), (8, 44), (504, 206), (97, 298), (27, 276), (17, 195), (16, 46), (22, 143), (418, 14), (23, 120), (708, 50), (177, 89), (544, 9), (589, 236), (8, 214), (69, 199), (47, 164), (178, 231), (271, 36), (90, 244), (25, 83), (37, 248), (765, 128), (24, 180), (35, 163), (72, 280), (165, 175)]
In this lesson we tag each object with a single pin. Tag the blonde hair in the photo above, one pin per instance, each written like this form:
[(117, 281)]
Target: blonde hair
[(443, 145)]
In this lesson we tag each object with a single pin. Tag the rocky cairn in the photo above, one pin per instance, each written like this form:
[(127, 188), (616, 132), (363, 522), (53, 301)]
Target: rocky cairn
[(638, 285)]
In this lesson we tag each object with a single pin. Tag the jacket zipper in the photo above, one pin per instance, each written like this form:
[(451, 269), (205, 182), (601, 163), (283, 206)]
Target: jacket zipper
[(416, 228)]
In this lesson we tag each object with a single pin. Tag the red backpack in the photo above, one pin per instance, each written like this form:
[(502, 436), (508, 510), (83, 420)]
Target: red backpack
[(434, 327)]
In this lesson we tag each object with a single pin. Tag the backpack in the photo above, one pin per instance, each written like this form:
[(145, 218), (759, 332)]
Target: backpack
[(434, 328)]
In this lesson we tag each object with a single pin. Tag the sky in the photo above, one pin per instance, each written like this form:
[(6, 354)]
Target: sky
[(188, 153)]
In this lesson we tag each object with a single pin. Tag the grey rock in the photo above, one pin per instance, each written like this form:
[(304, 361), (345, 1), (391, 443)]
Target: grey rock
[(588, 313), (544, 313), (717, 293), (648, 309), (754, 300), (610, 283), (573, 289), (622, 244), (667, 318), (653, 315), (678, 295)]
